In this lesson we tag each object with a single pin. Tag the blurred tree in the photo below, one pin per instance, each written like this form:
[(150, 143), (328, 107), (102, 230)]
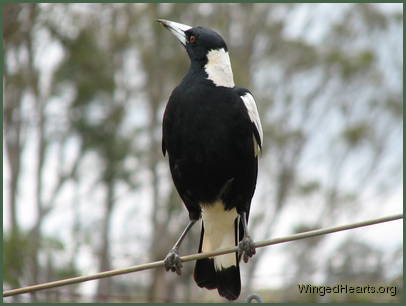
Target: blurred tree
[(26, 103), (355, 261), (97, 113), (13, 117), (297, 80)]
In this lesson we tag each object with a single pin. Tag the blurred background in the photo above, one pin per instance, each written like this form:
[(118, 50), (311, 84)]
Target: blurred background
[(85, 185)]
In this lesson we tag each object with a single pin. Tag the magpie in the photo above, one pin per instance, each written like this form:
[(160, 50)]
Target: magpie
[(212, 135)]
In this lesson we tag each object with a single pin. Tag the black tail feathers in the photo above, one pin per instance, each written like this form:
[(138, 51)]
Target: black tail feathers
[(204, 274), (227, 281)]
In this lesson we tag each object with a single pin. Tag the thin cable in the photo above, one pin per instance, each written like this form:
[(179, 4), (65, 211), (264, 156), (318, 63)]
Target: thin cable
[(192, 257)]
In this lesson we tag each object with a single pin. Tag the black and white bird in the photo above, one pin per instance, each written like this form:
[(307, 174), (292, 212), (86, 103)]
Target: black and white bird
[(212, 135)]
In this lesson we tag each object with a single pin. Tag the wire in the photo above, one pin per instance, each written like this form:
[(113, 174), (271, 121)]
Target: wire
[(192, 257)]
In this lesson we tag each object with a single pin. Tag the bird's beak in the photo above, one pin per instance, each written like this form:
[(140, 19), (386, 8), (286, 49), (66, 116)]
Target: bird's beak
[(176, 29)]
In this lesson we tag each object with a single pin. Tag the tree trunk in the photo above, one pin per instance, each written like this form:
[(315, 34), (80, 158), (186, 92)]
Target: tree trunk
[(14, 147), (104, 285)]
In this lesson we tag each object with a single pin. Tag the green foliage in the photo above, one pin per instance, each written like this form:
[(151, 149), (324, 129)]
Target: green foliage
[(95, 115), (301, 228), (87, 65), (350, 65), (16, 251), (63, 272), (356, 133), (395, 107), (283, 137), (365, 58), (52, 243), (303, 56), (309, 188)]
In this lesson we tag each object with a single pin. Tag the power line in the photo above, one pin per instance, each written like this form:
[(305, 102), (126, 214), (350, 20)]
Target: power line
[(193, 257)]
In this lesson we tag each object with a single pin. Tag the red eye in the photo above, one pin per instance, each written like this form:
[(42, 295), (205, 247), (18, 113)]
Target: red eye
[(192, 39)]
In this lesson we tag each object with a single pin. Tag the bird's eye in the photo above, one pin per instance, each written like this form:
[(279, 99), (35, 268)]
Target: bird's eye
[(192, 39)]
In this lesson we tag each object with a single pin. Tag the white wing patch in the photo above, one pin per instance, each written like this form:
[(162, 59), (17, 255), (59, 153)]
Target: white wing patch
[(249, 103)]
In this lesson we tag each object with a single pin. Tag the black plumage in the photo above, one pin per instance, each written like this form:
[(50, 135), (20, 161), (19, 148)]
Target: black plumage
[(212, 135), (208, 135)]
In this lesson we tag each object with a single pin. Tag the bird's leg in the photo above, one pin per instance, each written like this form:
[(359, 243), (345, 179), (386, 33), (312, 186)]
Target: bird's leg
[(172, 260), (246, 247)]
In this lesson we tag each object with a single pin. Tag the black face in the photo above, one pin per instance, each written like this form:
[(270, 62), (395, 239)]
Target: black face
[(199, 41)]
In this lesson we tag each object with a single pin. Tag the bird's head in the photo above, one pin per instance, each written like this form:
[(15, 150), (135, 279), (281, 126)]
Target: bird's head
[(206, 49), (198, 41)]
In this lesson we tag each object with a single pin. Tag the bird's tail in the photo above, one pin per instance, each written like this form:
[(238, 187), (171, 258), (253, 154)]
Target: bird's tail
[(221, 272)]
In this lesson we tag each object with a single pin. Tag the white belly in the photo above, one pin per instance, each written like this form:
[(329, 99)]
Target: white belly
[(219, 232)]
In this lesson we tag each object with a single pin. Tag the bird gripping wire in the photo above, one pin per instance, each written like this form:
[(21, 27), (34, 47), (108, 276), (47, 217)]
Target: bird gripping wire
[(192, 257)]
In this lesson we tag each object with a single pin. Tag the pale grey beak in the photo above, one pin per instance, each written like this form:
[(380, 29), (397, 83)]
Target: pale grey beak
[(176, 29)]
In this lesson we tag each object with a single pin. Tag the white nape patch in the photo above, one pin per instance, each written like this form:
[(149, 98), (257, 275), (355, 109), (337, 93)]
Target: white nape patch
[(249, 103), (219, 232), (218, 68)]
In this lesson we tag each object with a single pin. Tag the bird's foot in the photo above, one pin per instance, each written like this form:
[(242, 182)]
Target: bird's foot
[(246, 248), (172, 262)]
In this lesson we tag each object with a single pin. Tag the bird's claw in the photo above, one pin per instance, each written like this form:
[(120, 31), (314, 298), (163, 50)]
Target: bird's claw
[(246, 248), (172, 262)]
